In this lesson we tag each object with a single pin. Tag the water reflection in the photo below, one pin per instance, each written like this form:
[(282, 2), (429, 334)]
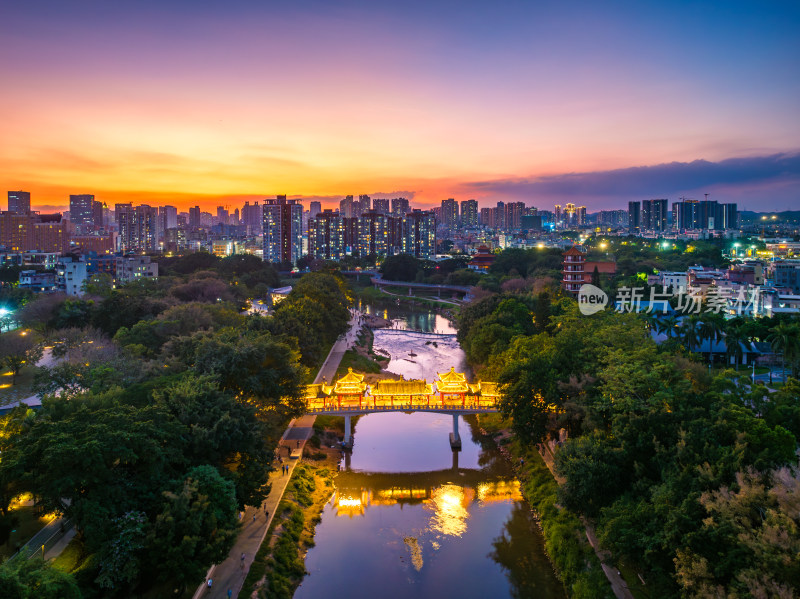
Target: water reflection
[(409, 517), (410, 319), (522, 557)]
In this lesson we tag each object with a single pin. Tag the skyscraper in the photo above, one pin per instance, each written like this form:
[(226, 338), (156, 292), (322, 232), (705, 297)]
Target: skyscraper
[(634, 218), (570, 218), (381, 205), (487, 217), (252, 218), (194, 218), (514, 212), (500, 217), (580, 216), (364, 203), (138, 227), (400, 206), (654, 215), (167, 219), (469, 213), (314, 208), (81, 212), (346, 207), (19, 202), (326, 236), (450, 214), (373, 234), (419, 237), (283, 230)]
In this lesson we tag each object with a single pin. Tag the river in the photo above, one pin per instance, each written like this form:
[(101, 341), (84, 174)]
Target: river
[(411, 518)]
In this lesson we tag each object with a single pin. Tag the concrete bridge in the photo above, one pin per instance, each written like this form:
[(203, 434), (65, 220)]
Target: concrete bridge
[(381, 282), (451, 394)]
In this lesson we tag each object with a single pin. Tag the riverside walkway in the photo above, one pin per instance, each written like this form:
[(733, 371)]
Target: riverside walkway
[(231, 573)]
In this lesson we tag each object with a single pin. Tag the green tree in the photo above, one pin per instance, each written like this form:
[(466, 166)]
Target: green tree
[(785, 339), (99, 284), (257, 368), (18, 348), (196, 527), (403, 267), (35, 579), (735, 341)]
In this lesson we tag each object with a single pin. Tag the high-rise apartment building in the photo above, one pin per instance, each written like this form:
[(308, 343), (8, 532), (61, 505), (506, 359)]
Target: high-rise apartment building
[(558, 216), (326, 236), (194, 218), (138, 227), (634, 218), (314, 208), (19, 202), (373, 234), (570, 217), (364, 204), (513, 217), (487, 217), (167, 219), (381, 205), (469, 213), (419, 237), (283, 230), (704, 214), (580, 216), (252, 218), (400, 206), (449, 217), (654, 215), (223, 217), (500, 217), (613, 218), (81, 212), (346, 208)]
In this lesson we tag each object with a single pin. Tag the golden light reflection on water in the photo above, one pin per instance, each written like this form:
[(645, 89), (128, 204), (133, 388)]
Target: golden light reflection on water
[(501, 490), (450, 510)]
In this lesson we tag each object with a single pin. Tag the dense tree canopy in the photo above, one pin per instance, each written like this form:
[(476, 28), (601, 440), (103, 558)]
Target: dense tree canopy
[(657, 445), (160, 421)]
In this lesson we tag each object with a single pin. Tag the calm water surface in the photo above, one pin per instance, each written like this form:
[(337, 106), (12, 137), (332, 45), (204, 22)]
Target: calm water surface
[(411, 518)]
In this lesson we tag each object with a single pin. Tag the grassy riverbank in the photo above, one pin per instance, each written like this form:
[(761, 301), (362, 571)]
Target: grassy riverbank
[(565, 537), (279, 568)]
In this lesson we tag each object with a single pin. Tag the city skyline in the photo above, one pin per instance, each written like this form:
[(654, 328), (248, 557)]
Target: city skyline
[(596, 105)]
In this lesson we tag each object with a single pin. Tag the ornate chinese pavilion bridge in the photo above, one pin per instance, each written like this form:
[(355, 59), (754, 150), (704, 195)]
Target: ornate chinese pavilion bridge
[(450, 394)]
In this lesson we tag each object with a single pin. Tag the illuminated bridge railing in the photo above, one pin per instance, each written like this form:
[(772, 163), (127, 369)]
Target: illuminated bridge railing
[(401, 406)]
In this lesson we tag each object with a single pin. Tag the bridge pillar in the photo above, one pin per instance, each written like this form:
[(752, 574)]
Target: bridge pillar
[(455, 439), (348, 435)]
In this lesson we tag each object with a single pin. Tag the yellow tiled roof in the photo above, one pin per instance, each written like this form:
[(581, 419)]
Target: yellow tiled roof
[(350, 384), (318, 390), (452, 382), (399, 387)]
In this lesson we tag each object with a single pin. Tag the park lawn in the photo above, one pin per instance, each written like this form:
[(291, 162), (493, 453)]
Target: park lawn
[(72, 556), (20, 389), (357, 362)]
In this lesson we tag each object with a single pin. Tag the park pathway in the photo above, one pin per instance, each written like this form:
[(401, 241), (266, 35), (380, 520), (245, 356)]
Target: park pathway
[(230, 574)]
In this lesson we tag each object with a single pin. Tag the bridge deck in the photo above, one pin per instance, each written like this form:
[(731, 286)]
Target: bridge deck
[(353, 410)]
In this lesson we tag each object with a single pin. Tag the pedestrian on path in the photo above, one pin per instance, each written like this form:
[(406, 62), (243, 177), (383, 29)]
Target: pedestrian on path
[(254, 518), (230, 593)]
